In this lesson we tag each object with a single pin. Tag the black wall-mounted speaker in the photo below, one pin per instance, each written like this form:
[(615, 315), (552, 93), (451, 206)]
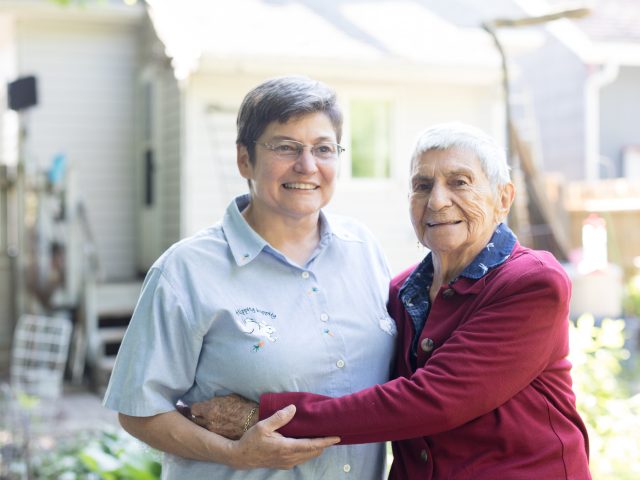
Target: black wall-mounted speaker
[(22, 93)]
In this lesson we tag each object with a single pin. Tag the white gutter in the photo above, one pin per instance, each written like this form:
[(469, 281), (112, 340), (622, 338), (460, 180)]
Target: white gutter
[(594, 84)]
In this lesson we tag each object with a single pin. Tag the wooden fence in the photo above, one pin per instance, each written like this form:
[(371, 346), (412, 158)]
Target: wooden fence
[(618, 202)]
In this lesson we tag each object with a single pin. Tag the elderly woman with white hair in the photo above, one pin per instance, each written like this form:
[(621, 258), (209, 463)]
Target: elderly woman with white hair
[(482, 386)]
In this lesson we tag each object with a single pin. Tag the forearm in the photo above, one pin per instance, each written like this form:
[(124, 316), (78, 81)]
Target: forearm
[(381, 413), (260, 446), (172, 433)]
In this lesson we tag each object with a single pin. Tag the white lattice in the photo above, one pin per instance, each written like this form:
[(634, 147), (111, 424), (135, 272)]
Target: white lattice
[(39, 355)]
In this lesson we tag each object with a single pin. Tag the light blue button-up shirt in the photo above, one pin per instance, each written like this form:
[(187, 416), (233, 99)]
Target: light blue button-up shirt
[(224, 312)]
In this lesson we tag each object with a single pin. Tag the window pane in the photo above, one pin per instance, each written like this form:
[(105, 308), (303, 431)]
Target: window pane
[(370, 145)]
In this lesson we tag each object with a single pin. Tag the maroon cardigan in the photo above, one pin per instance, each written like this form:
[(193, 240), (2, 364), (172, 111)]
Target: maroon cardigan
[(491, 400)]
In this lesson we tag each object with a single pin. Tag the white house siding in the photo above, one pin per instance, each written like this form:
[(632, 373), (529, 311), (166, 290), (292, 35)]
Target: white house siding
[(169, 154), (85, 74), (211, 178), (7, 147), (210, 175)]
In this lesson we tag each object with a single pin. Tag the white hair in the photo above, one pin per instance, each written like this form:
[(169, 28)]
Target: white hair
[(493, 158)]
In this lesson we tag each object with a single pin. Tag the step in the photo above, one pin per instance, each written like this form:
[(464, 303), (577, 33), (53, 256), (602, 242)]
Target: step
[(106, 363), (117, 299), (111, 334)]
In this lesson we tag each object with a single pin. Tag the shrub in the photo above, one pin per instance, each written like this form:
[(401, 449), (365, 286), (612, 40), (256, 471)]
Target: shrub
[(106, 455), (603, 398)]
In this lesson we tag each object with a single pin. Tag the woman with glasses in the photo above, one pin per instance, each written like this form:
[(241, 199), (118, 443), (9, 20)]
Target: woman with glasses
[(277, 296)]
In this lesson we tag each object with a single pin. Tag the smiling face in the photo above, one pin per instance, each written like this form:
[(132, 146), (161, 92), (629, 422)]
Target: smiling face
[(454, 209), (290, 189)]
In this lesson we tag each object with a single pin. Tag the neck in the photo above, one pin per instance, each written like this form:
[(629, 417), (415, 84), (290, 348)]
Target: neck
[(448, 265), (296, 238)]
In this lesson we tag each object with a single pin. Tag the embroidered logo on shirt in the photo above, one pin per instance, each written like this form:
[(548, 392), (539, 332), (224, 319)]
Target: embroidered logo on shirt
[(259, 328)]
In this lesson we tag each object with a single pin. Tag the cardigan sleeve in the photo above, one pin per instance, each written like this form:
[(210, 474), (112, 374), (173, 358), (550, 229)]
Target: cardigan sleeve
[(517, 331)]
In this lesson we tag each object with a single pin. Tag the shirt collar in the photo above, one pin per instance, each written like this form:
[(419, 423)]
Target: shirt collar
[(493, 254), (246, 244)]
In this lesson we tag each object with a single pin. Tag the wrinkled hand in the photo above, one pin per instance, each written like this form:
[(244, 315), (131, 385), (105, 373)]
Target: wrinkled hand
[(263, 446), (225, 416)]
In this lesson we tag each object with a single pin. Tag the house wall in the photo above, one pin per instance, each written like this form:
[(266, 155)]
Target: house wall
[(170, 150), (158, 224), (619, 127), (210, 175), (549, 105), (7, 150), (85, 71)]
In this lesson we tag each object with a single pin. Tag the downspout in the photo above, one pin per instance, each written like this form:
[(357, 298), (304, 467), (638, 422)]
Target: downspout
[(595, 82)]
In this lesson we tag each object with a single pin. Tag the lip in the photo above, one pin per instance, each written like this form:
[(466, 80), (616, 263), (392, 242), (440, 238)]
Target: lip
[(301, 186), (443, 223)]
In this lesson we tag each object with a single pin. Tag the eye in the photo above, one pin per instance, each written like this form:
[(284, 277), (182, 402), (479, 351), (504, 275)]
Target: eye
[(422, 187), (325, 148), (285, 148), (460, 182)]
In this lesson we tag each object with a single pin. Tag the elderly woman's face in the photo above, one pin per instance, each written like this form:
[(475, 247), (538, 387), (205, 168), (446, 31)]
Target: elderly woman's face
[(453, 207)]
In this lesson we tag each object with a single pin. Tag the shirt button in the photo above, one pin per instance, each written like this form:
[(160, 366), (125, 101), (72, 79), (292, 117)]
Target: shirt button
[(340, 363), (346, 468), (426, 345), (324, 317), (448, 293), (424, 456), (305, 275)]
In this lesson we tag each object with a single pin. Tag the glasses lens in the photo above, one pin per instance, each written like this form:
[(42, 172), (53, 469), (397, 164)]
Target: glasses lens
[(325, 151), (287, 149)]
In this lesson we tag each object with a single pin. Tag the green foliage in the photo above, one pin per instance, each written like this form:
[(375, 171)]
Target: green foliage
[(611, 415), (632, 296), (102, 456)]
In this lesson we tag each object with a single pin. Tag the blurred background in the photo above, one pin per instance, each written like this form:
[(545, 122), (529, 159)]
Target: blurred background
[(117, 138)]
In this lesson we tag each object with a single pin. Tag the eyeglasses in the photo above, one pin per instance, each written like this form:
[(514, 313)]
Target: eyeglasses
[(291, 150)]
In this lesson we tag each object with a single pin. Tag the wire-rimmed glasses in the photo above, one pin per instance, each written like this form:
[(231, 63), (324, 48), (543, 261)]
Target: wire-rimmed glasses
[(291, 150)]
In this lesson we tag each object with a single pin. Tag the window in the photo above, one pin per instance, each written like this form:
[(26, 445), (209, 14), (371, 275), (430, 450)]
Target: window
[(370, 144)]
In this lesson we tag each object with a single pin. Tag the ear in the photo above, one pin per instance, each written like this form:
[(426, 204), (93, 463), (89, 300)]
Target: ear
[(505, 200), (242, 158)]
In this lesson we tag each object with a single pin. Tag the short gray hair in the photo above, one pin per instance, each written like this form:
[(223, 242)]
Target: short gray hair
[(281, 99), (492, 157)]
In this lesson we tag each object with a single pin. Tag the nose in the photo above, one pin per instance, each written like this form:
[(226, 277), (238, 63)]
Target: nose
[(306, 162), (439, 197)]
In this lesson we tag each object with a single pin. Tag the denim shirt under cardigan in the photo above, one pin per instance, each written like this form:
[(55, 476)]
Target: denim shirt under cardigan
[(414, 293)]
